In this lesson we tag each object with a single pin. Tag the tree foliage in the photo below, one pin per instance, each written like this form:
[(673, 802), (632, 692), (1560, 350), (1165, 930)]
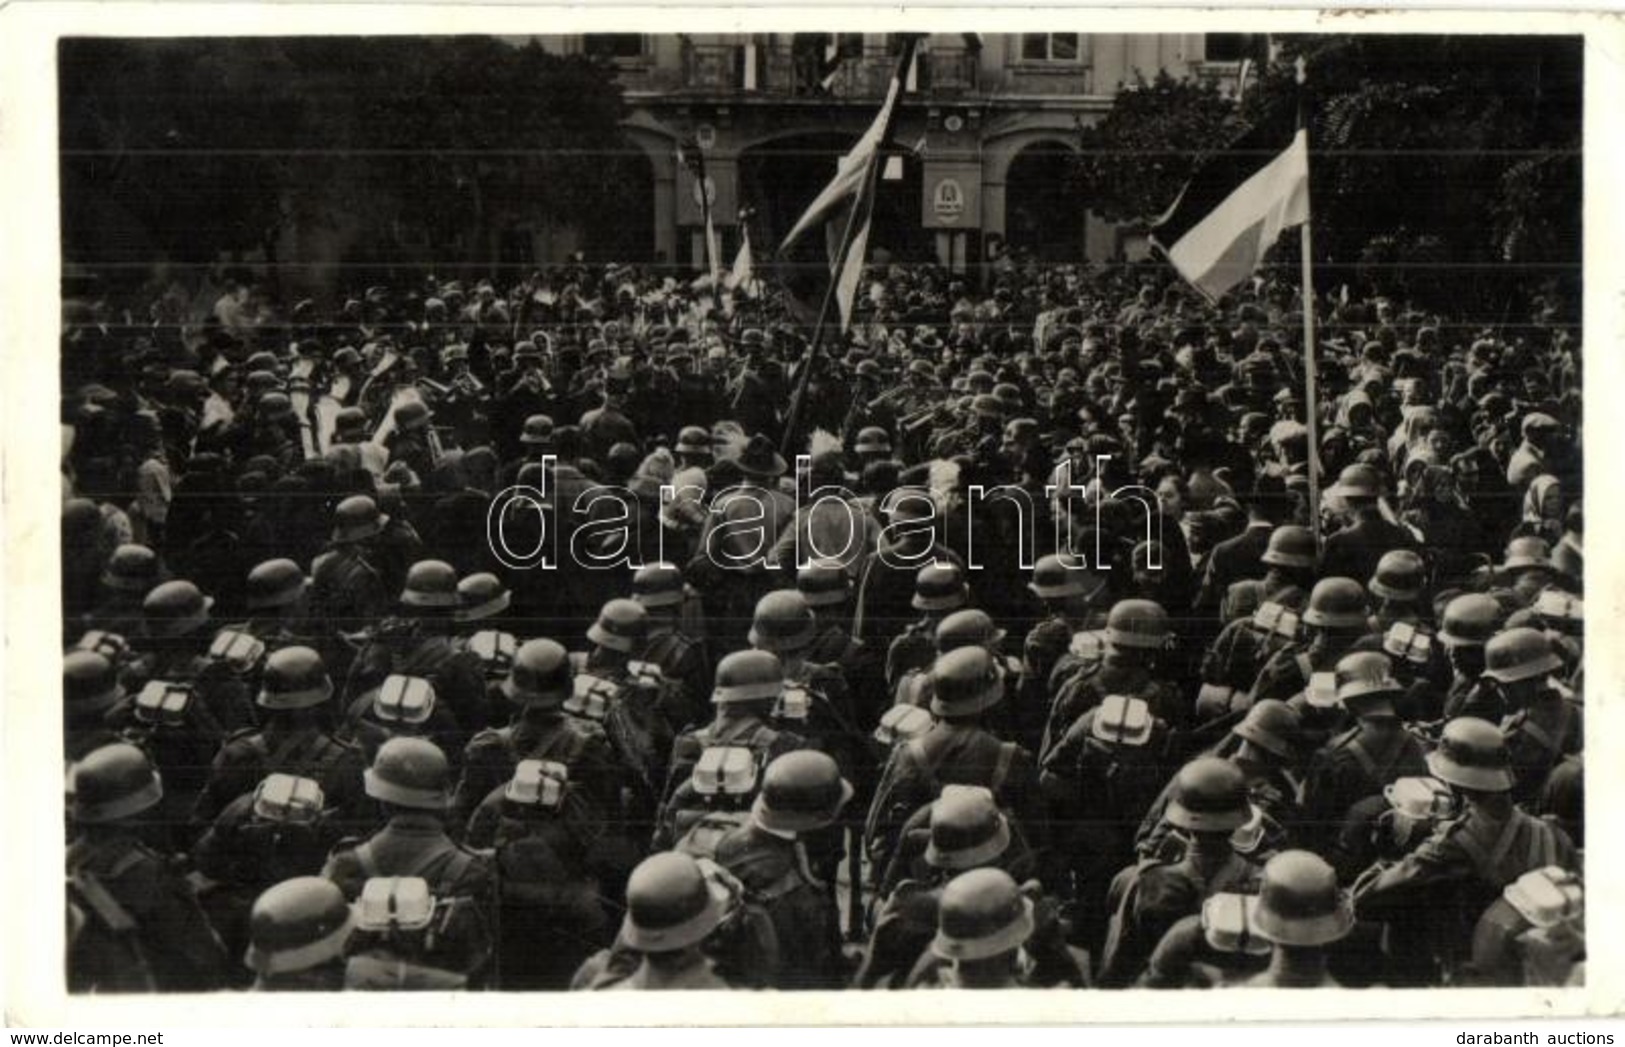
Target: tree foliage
[(1440, 167), (1132, 163), (194, 147)]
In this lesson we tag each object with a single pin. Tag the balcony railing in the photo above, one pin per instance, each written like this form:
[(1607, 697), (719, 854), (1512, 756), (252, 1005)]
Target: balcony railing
[(785, 73)]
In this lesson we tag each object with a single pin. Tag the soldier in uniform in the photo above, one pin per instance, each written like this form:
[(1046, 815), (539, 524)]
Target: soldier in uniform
[(347, 589), (939, 590), (299, 930), (1545, 722), (1533, 935), (1301, 912), (1209, 802), (828, 591), (1337, 617), (750, 685), (540, 682), (801, 798), (411, 781), (1137, 638), (292, 739), (550, 865), (1458, 872), (1068, 592), (140, 928), (957, 750), (1399, 585), (421, 643), (672, 908), (986, 927), (278, 831), (1364, 759), (680, 656), (131, 573), (90, 692), (1468, 622)]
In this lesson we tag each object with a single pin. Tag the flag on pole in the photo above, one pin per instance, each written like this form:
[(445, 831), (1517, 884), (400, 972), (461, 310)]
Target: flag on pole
[(741, 277), (850, 171), (1234, 209), (846, 204)]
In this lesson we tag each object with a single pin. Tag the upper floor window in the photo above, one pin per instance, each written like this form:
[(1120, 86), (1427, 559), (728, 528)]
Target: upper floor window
[(1051, 47), (613, 45)]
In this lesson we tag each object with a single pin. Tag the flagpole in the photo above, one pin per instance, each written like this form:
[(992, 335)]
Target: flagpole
[(858, 202), (1307, 279)]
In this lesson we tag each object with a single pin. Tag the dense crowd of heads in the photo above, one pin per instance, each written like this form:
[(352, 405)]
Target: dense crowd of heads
[(1034, 633)]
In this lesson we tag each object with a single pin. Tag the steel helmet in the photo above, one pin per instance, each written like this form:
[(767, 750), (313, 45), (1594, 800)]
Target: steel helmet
[(90, 683), (622, 626), (1365, 683), (1520, 654), (1141, 624), (658, 585), (872, 440), (1290, 546), (694, 441), (542, 676), (1525, 552), (823, 583), (940, 587), (1059, 575), (1209, 795), (296, 925), (1358, 481), (175, 609), (480, 596), (131, 569), (1337, 603), (783, 622), (409, 772), (965, 682), (357, 518), (274, 583), (1472, 755), (671, 904), (1399, 576), (967, 628), (1469, 620), (412, 415), (982, 914), (294, 678), (114, 782), (967, 829), (801, 791), (748, 676), (1273, 726), (1300, 903), (430, 585)]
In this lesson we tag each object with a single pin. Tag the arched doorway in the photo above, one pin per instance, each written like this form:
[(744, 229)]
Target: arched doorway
[(1042, 215)]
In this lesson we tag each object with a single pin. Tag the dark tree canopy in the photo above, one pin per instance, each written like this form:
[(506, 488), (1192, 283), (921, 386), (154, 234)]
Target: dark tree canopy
[(180, 150)]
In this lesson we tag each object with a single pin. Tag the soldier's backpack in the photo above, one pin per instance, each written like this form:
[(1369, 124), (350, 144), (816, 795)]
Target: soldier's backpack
[(105, 952), (631, 714), (899, 725), (722, 786), (237, 651), (405, 938), (495, 651), (541, 839)]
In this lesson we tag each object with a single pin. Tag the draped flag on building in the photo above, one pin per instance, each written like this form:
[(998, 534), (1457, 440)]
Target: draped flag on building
[(845, 205), (1234, 209)]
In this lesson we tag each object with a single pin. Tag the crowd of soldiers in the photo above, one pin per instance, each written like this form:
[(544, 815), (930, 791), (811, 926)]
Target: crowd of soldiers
[(1037, 657)]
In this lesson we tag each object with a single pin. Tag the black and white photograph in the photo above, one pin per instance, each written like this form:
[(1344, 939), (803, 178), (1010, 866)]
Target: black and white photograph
[(845, 510)]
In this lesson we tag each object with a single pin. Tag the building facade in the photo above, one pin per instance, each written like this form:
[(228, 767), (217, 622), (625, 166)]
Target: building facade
[(984, 131)]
